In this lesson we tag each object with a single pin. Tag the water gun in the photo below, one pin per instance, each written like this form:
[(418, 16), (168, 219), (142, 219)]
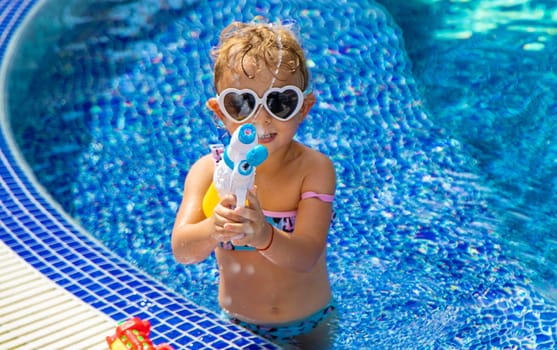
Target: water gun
[(133, 334), (235, 174)]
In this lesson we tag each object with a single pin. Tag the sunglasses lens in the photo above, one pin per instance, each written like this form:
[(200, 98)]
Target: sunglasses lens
[(282, 104), (239, 106)]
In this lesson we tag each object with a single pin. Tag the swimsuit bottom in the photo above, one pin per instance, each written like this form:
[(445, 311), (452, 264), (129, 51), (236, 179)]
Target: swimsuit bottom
[(285, 331)]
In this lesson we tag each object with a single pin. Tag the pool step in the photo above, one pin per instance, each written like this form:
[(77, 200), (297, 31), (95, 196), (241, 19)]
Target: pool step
[(35, 313)]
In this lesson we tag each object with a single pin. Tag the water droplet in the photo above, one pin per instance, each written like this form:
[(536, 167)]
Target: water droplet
[(235, 268), (250, 269)]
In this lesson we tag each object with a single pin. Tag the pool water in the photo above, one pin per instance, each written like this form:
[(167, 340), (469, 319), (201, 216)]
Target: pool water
[(488, 71), (443, 236)]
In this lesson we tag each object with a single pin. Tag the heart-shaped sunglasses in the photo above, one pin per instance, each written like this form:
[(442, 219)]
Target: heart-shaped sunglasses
[(240, 105)]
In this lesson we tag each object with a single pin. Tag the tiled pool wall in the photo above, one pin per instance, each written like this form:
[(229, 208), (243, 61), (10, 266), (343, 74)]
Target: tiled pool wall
[(38, 230)]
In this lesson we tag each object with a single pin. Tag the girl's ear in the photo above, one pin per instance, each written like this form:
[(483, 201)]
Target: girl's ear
[(309, 101), (213, 105)]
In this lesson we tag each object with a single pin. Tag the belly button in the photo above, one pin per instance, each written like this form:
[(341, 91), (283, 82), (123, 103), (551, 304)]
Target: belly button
[(275, 310)]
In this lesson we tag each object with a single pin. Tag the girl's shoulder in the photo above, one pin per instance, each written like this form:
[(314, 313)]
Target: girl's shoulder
[(318, 170), (315, 160), (202, 169), (202, 164)]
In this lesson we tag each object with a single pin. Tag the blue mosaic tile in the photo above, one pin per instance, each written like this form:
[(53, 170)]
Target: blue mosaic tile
[(220, 345), (196, 332), (242, 343), (216, 330), (196, 345), (229, 335), (184, 312)]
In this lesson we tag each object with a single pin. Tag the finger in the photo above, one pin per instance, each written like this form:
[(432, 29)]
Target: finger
[(228, 233), (228, 201), (238, 237), (233, 229), (225, 214), (219, 220), (253, 200), (230, 237), (219, 234)]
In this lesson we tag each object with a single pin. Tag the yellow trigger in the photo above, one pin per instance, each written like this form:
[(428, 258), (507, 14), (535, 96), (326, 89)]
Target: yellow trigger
[(210, 200)]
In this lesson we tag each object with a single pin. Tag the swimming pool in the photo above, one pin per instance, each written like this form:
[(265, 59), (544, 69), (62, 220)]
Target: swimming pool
[(419, 253), (489, 75)]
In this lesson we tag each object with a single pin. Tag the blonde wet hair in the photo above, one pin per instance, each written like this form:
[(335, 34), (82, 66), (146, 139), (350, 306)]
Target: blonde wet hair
[(273, 45)]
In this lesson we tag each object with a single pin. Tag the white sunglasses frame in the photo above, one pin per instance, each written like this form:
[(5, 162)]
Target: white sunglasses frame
[(261, 101)]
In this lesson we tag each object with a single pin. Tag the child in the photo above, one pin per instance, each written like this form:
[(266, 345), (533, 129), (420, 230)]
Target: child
[(271, 254)]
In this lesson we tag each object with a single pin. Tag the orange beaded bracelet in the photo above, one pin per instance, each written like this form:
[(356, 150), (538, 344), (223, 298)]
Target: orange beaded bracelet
[(271, 241)]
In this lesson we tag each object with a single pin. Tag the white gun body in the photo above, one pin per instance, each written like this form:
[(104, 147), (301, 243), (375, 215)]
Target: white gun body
[(235, 173)]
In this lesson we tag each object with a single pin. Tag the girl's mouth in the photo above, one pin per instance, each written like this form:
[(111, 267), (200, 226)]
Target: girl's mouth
[(266, 138)]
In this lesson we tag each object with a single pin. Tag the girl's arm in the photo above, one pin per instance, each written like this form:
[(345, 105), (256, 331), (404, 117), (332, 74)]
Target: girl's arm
[(301, 249), (192, 239), (195, 236)]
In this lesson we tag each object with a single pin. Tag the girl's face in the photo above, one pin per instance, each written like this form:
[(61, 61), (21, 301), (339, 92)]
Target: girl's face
[(272, 133)]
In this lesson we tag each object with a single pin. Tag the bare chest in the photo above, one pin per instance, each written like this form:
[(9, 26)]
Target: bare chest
[(279, 193)]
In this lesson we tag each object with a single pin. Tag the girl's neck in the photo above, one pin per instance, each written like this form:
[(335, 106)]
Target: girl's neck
[(279, 158)]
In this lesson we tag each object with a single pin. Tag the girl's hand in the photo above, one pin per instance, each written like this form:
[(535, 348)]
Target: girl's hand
[(252, 229), (223, 216)]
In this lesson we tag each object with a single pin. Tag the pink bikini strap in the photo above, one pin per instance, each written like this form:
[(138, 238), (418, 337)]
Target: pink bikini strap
[(324, 197), (279, 214)]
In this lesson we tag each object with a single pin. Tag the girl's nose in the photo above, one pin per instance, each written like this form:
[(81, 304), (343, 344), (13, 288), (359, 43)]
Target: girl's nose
[(262, 116)]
